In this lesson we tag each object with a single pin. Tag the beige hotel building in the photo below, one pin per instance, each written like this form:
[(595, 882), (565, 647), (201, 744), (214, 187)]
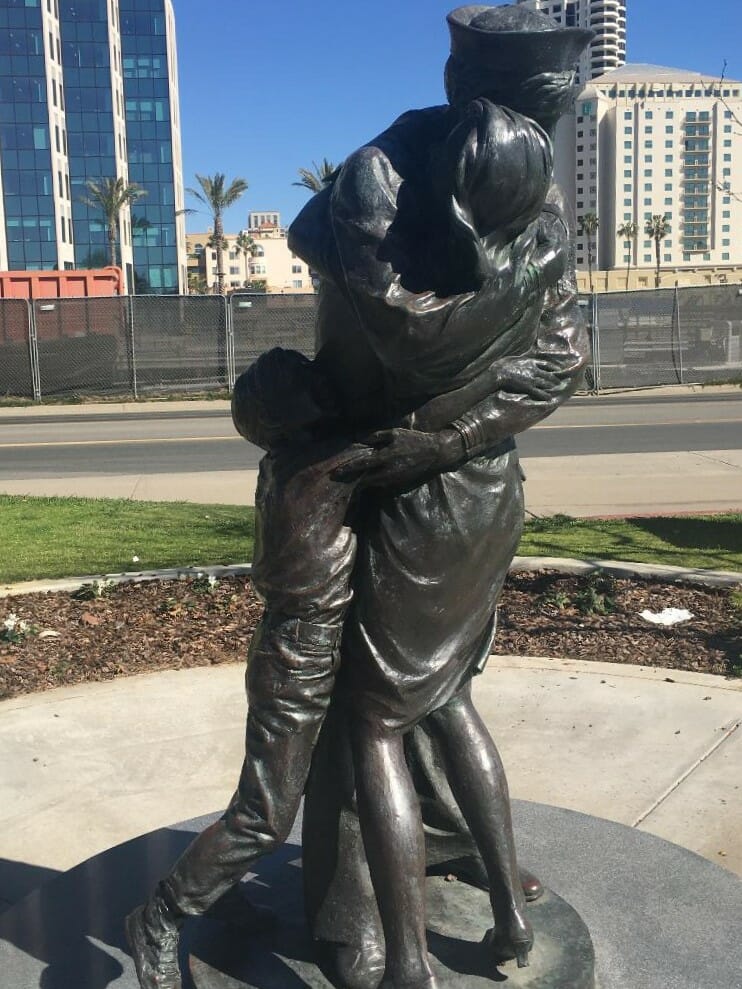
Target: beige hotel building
[(647, 140), (271, 262)]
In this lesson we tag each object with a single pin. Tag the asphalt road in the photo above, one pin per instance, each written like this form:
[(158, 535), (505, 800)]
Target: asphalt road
[(177, 442)]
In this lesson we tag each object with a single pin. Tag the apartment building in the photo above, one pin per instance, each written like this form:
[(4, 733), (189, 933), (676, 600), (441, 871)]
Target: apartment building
[(270, 263), (89, 90), (606, 17), (649, 141)]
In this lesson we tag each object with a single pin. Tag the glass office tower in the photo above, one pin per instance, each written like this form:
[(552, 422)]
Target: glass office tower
[(28, 237), (153, 139), (88, 90)]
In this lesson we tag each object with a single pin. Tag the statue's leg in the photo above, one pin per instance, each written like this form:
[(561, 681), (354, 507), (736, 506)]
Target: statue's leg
[(477, 778), (290, 682), (392, 831)]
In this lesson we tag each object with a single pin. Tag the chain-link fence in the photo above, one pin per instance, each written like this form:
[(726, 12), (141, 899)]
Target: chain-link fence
[(137, 345), (666, 336)]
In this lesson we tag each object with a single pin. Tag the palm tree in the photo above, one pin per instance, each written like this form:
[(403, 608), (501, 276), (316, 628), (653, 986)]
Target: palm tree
[(588, 228), (218, 196), (111, 196), (316, 177), (629, 231), (657, 228), (247, 245)]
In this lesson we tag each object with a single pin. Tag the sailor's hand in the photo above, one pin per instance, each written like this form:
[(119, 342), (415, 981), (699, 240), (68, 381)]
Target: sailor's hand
[(401, 457), (540, 379)]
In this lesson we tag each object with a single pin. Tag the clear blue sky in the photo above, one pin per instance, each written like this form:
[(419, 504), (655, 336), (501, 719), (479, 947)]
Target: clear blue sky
[(267, 88)]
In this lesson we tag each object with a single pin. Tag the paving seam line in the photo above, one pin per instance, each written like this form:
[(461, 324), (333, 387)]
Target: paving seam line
[(617, 568), (727, 734)]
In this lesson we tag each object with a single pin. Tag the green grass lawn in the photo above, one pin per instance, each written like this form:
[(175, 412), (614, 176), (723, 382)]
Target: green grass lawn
[(62, 537)]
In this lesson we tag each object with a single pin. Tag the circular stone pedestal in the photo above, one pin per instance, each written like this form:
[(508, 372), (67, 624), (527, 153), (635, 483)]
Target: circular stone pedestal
[(659, 916), (458, 916)]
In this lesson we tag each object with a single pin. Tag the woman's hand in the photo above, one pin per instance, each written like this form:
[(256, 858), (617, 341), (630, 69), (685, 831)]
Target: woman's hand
[(401, 457)]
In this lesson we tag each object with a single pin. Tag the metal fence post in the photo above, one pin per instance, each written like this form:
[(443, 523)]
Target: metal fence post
[(596, 342), (229, 333), (131, 349), (33, 351), (676, 322)]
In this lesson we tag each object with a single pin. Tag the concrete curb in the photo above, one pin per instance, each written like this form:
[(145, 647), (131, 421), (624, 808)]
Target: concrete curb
[(617, 568), (620, 568)]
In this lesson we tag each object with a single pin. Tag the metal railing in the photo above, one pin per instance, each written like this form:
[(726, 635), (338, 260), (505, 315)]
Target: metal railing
[(139, 345)]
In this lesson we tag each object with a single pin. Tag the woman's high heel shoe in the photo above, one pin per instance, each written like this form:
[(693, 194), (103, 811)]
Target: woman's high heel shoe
[(513, 942)]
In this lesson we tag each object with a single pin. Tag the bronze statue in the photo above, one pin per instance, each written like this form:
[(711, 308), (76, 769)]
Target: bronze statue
[(389, 508)]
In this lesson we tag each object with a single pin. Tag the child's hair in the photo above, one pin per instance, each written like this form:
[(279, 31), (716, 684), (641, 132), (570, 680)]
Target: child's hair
[(277, 396)]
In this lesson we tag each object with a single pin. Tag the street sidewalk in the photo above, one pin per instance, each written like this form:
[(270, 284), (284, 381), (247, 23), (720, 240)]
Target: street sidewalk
[(83, 768), (594, 485), (585, 486), (198, 406)]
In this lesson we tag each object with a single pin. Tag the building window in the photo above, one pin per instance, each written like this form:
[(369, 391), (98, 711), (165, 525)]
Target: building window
[(295, 269), (297, 283), (725, 257), (647, 258), (668, 257)]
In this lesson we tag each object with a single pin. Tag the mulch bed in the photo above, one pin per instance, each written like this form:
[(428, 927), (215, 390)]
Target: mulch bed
[(140, 628)]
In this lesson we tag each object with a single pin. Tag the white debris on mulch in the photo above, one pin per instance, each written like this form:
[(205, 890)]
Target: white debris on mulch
[(670, 616)]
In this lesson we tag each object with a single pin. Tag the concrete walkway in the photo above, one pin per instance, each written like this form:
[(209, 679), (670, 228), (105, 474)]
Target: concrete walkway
[(83, 768)]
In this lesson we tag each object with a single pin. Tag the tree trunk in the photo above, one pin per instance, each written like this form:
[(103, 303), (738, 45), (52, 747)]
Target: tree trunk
[(657, 254), (219, 238), (112, 243), (590, 264), (628, 265)]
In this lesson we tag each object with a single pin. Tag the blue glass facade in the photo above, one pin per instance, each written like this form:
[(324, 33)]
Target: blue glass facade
[(73, 110), (149, 142), (86, 64), (25, 155)]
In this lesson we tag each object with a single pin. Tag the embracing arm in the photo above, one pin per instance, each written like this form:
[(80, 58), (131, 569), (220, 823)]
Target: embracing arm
[(515, 393)]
